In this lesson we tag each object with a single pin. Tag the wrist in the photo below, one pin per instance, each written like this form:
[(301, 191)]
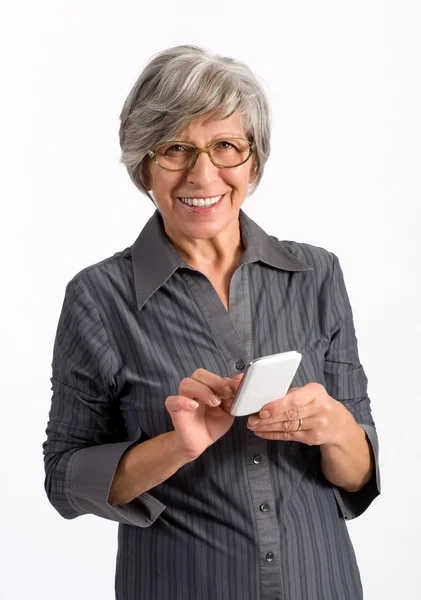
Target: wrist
[(180, 457), (345, 428)]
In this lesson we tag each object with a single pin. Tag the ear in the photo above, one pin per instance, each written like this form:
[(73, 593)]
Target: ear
[(253, 170), (144, 174)]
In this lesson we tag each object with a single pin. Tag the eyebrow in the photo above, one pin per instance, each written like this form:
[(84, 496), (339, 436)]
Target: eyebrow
[(217, 137)]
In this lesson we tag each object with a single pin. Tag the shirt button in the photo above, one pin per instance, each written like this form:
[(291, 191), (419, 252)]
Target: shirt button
[(257, 459), (270, 556), (264, 507), (239, 365)]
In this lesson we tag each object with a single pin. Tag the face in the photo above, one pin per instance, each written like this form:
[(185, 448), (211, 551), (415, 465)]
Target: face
[(204, 180)]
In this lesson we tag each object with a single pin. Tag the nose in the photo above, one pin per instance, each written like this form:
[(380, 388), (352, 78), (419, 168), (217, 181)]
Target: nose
[(203, 172)]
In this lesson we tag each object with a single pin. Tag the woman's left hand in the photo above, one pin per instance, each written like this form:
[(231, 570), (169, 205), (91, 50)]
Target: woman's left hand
[(306, 414)]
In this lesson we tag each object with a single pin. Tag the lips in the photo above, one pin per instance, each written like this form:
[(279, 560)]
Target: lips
[(201, 201), (188, 203)]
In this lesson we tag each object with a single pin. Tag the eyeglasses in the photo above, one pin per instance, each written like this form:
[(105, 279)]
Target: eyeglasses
[(180, 156)]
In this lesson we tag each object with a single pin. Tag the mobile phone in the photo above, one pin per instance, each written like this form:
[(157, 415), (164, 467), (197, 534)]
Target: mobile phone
[(265, 379)]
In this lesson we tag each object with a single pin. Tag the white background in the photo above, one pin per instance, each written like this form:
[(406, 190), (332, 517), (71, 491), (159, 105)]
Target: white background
[(343, 79)]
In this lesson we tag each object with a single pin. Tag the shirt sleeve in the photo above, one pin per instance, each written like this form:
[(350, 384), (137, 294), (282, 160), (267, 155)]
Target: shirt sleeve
[(347, 383), (85, 433)]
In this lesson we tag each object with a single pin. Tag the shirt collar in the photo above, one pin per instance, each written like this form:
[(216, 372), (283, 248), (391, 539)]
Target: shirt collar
[(155, 259)]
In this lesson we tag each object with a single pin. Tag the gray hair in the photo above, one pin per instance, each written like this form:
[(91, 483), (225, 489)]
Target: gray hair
[(183, 84)]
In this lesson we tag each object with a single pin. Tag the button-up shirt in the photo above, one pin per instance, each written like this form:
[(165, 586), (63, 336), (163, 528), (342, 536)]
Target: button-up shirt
[(250, 518)]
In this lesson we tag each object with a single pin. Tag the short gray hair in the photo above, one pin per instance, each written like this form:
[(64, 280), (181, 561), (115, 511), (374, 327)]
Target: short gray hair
[(183, 84)]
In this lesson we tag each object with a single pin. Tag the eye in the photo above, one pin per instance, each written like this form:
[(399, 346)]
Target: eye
[(224, 145), (177, 148)]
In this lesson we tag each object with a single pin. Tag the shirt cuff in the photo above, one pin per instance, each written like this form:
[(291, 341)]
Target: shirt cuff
[(89, 477), (353, 504)]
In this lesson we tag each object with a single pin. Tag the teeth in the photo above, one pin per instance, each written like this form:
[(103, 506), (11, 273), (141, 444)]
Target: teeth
[(201, 201)]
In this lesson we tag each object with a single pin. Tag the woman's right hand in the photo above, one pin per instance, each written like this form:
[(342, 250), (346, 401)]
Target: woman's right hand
[(199, 421)]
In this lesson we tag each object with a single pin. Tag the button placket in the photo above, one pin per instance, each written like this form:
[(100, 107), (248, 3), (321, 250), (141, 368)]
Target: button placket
[(264, 500)]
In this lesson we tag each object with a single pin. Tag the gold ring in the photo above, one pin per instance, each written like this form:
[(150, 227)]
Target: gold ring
[(300, 424)]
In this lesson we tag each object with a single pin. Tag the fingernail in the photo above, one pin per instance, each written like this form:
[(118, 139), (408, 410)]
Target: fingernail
[(193, 403), (215, 401), (227, 392), (253, 421), (264, 414)]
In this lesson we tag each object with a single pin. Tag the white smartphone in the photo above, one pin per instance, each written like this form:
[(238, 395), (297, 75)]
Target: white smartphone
[(265, 379)]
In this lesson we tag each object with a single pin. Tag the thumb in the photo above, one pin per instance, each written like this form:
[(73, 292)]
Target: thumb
[(238, 377), (234, 382)]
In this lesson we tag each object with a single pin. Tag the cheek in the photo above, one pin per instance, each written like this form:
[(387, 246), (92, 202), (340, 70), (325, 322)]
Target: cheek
[(165, 183), (238, 177)]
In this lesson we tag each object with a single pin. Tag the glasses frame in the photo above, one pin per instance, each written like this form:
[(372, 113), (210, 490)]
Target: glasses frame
[(152, 153)]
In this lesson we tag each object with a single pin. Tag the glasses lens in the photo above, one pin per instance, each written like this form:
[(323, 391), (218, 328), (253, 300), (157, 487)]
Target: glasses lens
[(174, 156), (230, 152)]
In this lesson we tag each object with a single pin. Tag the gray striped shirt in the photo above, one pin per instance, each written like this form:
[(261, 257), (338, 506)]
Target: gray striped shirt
[(250, 518)]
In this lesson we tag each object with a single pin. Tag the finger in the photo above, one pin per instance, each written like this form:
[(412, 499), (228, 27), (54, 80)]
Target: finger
[(220, 386), (291, 426), (200, 391), (177, 404), (310, 438), (295, 399), (286, 436), (291, 415), (234, 384), (238, 377), (290, 403)]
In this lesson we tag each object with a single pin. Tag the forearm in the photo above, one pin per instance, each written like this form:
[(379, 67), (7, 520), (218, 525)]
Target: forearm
[(348, 463), (143, 467)]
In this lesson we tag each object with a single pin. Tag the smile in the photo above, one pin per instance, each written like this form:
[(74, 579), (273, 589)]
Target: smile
[(201, 202)]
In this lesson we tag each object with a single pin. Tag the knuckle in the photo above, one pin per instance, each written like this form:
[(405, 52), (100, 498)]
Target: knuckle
[(170, 402), (292, 414), (327, 407), (294, 399), (199, 373), (315, 388), (323, 421), (287, 426)]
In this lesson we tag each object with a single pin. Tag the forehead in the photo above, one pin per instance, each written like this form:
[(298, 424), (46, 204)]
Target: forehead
[(207, 128)]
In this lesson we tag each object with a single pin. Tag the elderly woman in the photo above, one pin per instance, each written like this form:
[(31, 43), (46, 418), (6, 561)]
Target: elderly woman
[(150, 349)]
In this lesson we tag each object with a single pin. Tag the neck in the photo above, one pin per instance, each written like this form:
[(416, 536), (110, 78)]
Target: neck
[(214, 255)]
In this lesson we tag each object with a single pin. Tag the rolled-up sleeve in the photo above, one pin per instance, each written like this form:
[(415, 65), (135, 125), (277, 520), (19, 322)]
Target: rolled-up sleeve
[(85, 433), (347, 383)]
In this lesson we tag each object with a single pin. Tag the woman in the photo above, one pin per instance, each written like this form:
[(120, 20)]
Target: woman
[(150, 349)]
